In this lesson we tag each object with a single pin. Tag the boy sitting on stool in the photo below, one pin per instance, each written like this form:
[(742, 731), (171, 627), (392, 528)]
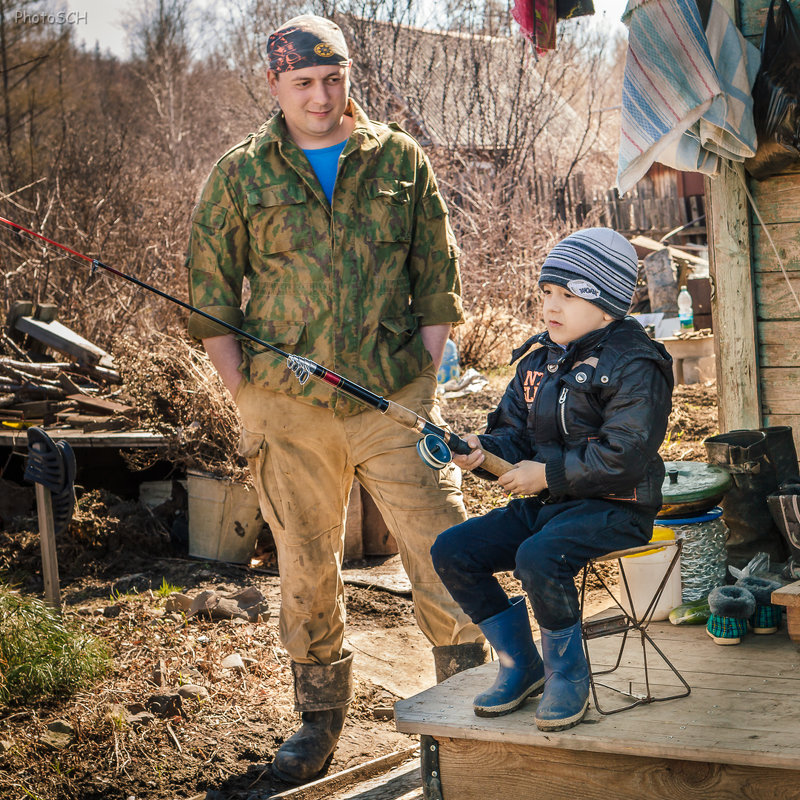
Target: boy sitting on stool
[(582, 421)]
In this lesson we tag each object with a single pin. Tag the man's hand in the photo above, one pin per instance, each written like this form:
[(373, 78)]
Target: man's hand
[(527, 477), (474, 459)]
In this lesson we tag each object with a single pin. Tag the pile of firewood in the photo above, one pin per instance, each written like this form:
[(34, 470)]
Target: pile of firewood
[(35, 389)]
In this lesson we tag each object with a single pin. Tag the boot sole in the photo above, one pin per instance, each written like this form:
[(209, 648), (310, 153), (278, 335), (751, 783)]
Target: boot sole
[(765, 630), (562, 724), (507, 708), (723, 641), (296, 781)]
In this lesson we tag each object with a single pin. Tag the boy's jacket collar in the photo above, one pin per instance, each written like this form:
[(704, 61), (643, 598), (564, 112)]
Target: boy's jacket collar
[(580, 348)]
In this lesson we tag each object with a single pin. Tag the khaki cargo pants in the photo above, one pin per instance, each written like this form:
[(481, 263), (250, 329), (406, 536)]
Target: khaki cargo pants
[(303, 459)]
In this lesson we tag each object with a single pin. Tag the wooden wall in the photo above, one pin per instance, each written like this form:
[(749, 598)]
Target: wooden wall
[(777, 313), (758, 385)]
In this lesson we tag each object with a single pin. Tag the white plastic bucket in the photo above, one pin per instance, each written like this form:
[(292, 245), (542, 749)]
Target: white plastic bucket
[(645, 571), (224, 519)]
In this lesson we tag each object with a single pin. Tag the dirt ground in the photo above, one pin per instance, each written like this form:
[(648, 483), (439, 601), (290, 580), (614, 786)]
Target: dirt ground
[(113, 561)]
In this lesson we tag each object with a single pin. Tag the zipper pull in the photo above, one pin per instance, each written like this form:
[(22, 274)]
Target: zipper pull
[(562, 399)]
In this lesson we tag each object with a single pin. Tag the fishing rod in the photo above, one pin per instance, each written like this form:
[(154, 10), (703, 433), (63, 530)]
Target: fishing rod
[(437, 445)]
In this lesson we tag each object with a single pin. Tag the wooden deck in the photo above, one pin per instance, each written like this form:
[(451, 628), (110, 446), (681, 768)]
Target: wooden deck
[(737, 735)]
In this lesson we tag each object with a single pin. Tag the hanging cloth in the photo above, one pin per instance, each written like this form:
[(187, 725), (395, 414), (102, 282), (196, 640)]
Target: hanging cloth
[(686, 94), (537, 18)]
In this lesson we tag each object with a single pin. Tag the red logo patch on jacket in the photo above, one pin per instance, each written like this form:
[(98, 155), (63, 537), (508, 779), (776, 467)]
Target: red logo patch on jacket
[(531, 384)]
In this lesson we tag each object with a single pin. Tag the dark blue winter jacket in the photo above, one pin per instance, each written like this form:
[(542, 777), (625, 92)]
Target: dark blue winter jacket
[(595, 415)]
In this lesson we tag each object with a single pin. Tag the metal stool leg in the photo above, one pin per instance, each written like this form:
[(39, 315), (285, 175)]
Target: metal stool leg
[(623, 623)]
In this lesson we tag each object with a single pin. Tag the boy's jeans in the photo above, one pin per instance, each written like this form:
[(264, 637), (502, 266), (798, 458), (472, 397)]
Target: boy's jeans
[(545, 544)]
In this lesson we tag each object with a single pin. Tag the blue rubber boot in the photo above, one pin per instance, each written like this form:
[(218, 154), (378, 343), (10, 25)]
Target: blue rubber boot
[(566, 684), (521, 672)]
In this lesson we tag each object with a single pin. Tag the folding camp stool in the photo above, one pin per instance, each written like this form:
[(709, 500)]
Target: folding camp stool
[(629, 619)]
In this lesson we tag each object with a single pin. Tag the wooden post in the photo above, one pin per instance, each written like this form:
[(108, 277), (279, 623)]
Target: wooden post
[(733, 306), (47, 541)]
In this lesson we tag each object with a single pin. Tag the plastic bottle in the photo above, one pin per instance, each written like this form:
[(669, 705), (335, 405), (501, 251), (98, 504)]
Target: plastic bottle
[(450, 367), (685, 315)]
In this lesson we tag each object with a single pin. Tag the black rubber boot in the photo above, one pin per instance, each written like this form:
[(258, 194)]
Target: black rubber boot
[(451, 659), (322, 694), (781, 451), (751, 530)]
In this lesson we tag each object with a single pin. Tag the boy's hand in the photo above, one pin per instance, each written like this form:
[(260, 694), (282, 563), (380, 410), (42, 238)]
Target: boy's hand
[(527, 477), (474, 459)]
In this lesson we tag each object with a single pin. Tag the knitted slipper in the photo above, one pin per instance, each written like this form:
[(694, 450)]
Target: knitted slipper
[(731, 607), (767, 617)]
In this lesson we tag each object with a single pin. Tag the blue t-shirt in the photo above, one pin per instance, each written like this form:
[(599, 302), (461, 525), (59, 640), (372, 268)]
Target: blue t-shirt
[(325, 162)]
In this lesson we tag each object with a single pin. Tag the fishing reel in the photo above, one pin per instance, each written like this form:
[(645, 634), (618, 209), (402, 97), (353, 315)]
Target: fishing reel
[(433, 450)]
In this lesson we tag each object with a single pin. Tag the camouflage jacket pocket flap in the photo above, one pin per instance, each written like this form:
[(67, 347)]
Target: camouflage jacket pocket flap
[(390, 188), (397, 325), (283, 332), (209, 215), (433, 206), (277, 196)]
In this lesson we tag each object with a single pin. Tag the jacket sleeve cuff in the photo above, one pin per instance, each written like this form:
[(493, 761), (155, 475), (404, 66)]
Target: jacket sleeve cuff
[(556, 475), (438, 309), (202, 328)]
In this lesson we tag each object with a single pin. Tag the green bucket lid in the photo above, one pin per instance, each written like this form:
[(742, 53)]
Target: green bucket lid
[(694, 481)]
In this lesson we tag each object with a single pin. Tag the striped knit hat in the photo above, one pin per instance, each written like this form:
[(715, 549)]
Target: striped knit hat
[(596, 264)]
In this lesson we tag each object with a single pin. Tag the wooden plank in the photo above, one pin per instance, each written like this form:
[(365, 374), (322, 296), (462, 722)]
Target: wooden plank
[(99, 404), (775, 300), (786, 238), (47, 542), (776, 198), (779, 343), (733, 306), (479, 770), (781, 390), (743, 709), (788, 596), (19, 439), (59, 337), (718, 726), (324, 787), (648, 244)]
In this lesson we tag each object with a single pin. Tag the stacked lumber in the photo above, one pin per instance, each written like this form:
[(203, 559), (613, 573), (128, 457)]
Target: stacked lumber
[(36, 389)]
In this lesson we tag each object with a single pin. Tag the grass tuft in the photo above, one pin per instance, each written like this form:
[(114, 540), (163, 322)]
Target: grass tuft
[(167, 588), (41, 656)]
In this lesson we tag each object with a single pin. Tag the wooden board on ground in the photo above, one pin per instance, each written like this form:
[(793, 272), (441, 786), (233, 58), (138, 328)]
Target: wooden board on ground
[(147, 439), (734, 736), (384, 573)]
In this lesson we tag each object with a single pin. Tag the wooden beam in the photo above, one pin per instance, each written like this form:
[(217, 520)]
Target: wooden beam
[(47, 541), (475, 770), (733, 301), (61, 338)]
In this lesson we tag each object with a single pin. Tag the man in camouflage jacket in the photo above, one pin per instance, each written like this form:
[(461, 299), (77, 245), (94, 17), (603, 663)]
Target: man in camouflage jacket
[(362, 277)]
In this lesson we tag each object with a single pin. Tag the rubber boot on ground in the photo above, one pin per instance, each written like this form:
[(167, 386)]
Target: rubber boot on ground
[(322, 694), (451, 659), (566, 684), (521, 672)]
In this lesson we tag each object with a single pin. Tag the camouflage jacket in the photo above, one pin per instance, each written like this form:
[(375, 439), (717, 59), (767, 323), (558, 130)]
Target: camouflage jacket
[(347, 284)]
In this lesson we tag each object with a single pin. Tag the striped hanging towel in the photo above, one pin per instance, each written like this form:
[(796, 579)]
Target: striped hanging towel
[(686, 96)]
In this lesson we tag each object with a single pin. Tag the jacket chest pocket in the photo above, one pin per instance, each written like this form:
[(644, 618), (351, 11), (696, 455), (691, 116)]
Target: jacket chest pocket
[(389, 210), (279, 218), (579, 410)]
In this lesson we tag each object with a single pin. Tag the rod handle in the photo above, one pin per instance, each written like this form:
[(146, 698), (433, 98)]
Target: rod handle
[(491, 463), (494, 464)]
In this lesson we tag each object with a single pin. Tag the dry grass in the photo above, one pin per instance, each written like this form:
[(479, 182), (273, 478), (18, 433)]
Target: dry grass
[(178, 393)]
